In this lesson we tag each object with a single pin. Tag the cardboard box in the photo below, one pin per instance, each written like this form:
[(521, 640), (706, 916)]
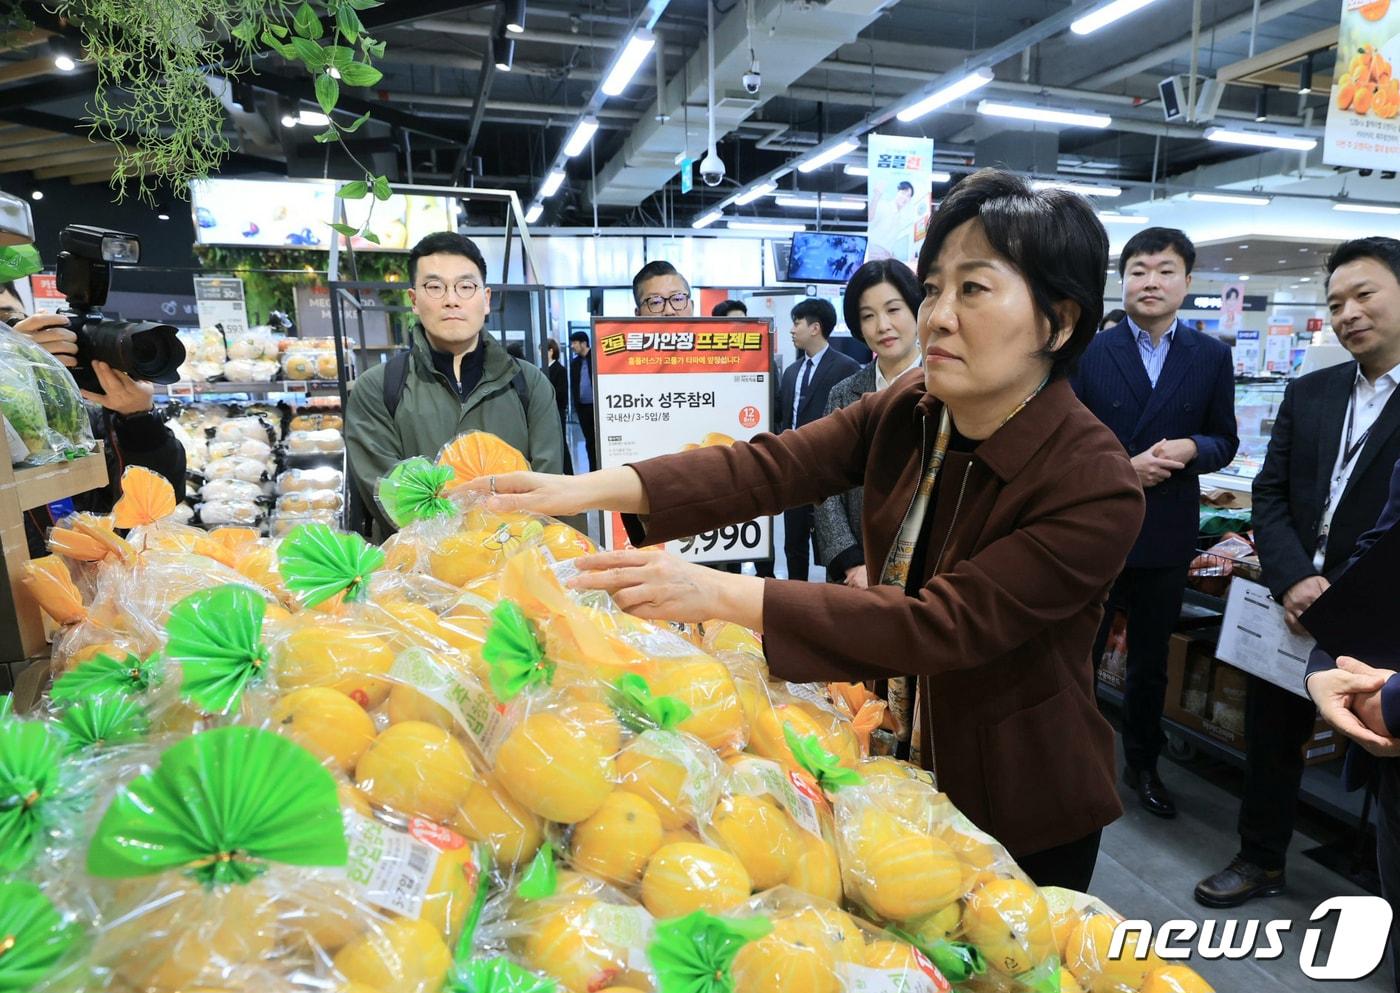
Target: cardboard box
[(1208, 696)]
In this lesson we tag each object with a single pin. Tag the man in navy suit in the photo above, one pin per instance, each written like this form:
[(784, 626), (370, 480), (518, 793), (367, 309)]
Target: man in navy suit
[(1167, 391), (1323, 485), (802, 398)]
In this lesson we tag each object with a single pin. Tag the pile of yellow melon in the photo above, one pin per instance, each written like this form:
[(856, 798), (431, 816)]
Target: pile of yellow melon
[(529, 776)]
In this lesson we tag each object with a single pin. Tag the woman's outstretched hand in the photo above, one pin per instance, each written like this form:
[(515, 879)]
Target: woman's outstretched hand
[(660, 586), (561, 496)]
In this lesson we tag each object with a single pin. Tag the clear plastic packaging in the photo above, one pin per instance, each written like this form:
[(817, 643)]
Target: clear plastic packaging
[(320, 478), (45, 417), (323, 442), (246, 448), (250, 371), (303, 502), (304, 421), (231, 489), (225, 512), (245, 428), (237, 467)]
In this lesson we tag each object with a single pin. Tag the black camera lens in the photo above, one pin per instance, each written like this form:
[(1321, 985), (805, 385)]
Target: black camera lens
[(141, 349)]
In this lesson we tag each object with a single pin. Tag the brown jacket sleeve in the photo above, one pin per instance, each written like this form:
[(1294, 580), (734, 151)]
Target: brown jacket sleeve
[(709, 487), (1068, 545)]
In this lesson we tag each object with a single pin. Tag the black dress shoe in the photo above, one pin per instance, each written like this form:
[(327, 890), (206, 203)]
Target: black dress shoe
[(1238, 882), (1151, 791)]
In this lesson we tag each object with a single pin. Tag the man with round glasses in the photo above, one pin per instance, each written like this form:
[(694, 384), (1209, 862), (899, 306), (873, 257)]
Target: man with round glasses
[(453, 378), (661, 291)]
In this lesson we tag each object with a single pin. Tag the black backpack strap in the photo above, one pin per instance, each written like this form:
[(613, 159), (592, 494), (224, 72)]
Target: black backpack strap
[(395, 378)]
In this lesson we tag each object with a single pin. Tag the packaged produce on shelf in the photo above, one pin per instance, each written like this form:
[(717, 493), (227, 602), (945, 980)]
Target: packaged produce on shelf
[(247, 470), (309, 358), (304, 501), (306, 421), (247, 448), (224, 512), (306, 763), (218, 490), (324, 442), (257, 344), (318, 478), (45, 418), (252, 428), (205, 355), (250, 371)]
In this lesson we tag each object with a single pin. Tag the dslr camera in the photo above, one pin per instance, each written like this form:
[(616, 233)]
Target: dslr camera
[(141, 349)]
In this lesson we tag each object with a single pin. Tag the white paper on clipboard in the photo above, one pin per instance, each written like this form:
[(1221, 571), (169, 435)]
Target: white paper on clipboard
[(1254, 637)]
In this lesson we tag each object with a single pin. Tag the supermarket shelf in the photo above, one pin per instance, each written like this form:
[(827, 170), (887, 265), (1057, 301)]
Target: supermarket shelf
[(1322, 784), (311, 387)]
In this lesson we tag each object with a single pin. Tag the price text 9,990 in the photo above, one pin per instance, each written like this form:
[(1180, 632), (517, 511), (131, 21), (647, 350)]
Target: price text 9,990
[(746, 536)]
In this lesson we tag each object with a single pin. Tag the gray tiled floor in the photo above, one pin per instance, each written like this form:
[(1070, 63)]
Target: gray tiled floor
[(1148, 867)]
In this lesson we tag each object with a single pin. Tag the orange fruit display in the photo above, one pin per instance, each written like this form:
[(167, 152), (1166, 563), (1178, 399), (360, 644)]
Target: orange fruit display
[(479, 453)]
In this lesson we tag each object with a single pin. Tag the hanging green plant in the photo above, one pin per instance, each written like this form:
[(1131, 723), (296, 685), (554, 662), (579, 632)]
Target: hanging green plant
[(215, 636), (105, 674), (413, 491), (318, 563), (103, 721), (513, 652), (221, 806), (29, 786), (33, 937), (152, 97)]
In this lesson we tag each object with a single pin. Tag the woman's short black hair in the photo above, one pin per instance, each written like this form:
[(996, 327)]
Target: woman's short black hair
[(1052, 237), (874, 273), (551, 349)]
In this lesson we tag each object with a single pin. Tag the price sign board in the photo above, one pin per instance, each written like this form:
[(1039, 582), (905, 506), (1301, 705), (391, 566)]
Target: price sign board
[(671, 385), (219, 300)]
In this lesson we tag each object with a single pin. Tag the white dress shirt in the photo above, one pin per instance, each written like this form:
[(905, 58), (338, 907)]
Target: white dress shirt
[(1367, 402), (1154, 357), (797, 396), (881, 382)]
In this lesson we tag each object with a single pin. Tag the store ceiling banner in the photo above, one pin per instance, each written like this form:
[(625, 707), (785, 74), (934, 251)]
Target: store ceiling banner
[(900, 196), (666, 385), (1363, 119)]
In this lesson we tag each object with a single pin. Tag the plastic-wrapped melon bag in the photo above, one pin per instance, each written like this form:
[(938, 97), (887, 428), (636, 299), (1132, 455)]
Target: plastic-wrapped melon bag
[(44, 411)]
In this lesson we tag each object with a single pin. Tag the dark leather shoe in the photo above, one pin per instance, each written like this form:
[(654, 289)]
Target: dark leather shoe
[(1151, 791), (1237, 883)]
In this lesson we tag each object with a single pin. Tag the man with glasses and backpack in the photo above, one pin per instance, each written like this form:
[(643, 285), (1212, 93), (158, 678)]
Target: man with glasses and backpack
[(453, 378)]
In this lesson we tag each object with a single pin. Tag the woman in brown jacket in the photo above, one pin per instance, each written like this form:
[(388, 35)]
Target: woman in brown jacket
[(997, 512)]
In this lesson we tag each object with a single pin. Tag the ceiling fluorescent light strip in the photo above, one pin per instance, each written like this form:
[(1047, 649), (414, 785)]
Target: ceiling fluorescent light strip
[(1083, 189), (1107, 14), (754, 193), (1109, 217), (1232, 198), (705, 220), (741, 225), (582, 134), (1043, 115), (1261, 139), (946, 95), (827, 156), (636, 50), (551, 184), (1365, 208)]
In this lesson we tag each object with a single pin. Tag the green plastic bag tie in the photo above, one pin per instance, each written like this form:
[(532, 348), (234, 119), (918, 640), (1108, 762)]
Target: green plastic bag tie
[(466, 941), (18, 261), (639, 711), (33, 936), (824, 767), (317, 562), (413, 491), (221, 806), (496, 975), (105, 674), (1044, 978), (103, 721), (7, 706), (29, 782), (541, 877), (957, 960), (695, 953), (215, 636), (514, 654)]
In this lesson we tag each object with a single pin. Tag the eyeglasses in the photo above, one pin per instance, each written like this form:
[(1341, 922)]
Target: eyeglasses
[(465, 289), (656, 305)]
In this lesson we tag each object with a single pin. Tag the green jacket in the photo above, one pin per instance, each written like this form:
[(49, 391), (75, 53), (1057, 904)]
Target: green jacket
[(430, 415)]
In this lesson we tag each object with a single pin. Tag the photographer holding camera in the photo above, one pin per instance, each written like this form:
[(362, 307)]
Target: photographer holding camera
[(123, 415)]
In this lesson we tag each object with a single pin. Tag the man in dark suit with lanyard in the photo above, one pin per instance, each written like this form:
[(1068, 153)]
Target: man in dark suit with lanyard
[(1167, 391), (1323, 484), (802, 398)]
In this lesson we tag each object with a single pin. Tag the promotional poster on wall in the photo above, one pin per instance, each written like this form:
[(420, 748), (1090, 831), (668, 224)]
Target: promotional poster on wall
[(1363, 119), (900, 196)]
